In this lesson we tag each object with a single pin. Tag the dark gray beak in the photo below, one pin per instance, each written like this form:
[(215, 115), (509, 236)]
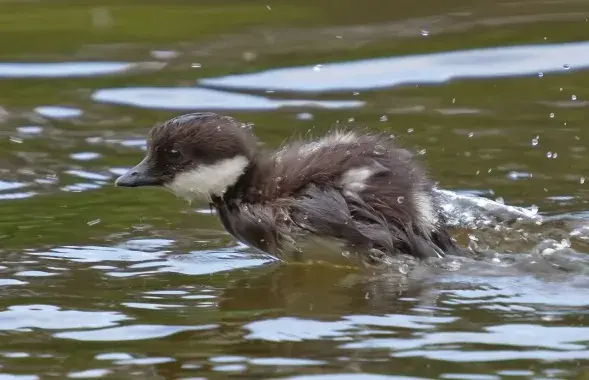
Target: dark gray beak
[(138, 176)]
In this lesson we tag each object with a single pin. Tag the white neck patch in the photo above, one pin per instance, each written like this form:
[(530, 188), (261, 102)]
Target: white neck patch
[(207, 180)]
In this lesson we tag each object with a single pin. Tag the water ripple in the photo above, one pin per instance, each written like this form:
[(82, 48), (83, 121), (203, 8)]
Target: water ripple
[(296, 330), (128, 333), (61, 69), (206, 99), (54, 318), (4, 185), (352, 376), (426, 68), (516, 335), (89, 373), (57, 112), (96, 254)]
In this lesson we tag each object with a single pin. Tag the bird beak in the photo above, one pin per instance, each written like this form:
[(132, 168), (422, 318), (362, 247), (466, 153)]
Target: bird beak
[(138, 176)]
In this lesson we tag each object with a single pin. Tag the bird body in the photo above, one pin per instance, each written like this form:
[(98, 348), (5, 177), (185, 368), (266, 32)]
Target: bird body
[(357, 189)]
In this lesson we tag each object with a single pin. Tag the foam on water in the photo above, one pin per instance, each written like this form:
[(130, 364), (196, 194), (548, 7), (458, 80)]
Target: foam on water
[(467, 210)]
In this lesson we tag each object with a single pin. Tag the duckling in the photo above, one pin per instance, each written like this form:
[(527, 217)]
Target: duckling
[(357, 189)]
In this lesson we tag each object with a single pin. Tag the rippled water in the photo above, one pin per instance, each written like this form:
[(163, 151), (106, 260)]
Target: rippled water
[(98, 282)]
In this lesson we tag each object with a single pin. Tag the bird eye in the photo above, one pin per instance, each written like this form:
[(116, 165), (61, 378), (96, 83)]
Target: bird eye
[(174, 155)]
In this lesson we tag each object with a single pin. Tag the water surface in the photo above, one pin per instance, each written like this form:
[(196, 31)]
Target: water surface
[(99, 282)]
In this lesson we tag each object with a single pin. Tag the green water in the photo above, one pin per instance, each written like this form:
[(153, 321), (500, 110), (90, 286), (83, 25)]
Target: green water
[(100, 282)]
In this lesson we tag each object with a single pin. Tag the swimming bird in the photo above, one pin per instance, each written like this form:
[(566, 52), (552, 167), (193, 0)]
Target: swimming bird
[(356, 189)]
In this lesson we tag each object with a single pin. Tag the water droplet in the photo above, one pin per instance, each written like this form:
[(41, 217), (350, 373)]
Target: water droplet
[(219, 129), (400, 199), (500, 200), (574, 97), (93, 222), (16, 140), (453, 100), (566, 66), (551, 115), (384, 118), (422, 152), (347, 153), (549, 154), (355, 93), (424, 33), (404, 268), (540, 74), (268, 7), (317, 67), (535, 141), (410, 130), (196, 65), (470, 134), (582, 180), (259, 220), (379, 150), (339, 37), (351, 120), (391, 137), (306, 217)]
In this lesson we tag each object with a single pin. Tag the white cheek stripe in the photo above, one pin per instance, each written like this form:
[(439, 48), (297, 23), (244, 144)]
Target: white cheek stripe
[(207, 180)]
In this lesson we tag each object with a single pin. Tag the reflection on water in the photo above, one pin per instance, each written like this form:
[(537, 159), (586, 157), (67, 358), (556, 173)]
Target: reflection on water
[(98, 282), (351, 312), (52, 318), (418, 69), (58, 112), (206, 99), (61, 69), (129, 333)]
